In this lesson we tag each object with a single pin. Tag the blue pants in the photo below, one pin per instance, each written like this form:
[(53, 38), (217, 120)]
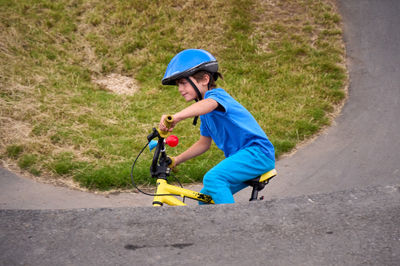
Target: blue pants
[(228, 177)]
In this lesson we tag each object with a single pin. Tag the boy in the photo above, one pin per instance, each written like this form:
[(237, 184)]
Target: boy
[(234, 130)]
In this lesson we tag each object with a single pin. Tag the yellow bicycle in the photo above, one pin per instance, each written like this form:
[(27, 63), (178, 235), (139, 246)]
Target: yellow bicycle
[(159, 169)]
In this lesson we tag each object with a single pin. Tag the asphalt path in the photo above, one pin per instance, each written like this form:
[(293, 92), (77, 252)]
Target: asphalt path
[(352, 172), (357, 227)]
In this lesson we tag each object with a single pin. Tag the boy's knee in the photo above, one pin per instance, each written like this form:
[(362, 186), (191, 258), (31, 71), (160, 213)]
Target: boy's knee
[(208, 180), (212, 180)]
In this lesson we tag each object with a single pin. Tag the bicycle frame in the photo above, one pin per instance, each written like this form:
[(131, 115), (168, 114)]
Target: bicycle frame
[(164, 188)]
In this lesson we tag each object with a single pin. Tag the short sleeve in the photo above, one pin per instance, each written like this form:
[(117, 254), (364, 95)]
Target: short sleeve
[(219, 96)]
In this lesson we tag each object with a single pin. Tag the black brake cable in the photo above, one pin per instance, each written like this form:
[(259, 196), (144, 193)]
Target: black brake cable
[(141, 191)]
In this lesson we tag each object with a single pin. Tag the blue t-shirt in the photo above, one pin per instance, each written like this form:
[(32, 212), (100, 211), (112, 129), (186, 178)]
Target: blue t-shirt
[(234, 129)]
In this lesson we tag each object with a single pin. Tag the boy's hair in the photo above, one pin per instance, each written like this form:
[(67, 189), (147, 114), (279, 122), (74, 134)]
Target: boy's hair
[(200, 75)]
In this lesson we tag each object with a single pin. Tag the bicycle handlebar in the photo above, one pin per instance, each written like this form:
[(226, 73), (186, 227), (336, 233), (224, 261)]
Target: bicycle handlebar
[(168, 120)]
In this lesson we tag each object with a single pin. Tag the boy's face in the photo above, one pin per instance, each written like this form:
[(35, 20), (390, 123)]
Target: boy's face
[(186, 90)]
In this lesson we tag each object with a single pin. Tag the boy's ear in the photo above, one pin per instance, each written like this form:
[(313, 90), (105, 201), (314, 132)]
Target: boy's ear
[(205, 80)]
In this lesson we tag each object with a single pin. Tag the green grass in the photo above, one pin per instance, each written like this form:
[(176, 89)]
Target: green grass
[(283, 60)]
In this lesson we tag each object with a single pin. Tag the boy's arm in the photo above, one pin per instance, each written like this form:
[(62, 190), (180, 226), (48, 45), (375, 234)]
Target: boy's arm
[(199, 108), (199, 147)]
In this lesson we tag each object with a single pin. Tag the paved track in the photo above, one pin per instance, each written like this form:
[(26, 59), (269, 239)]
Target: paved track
[(358, 225)]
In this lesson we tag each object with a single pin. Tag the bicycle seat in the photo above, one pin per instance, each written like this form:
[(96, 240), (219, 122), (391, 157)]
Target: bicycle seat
[(259, 183), (262, 178)]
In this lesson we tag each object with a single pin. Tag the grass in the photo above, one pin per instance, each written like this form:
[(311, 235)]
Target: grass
[(283, 60)]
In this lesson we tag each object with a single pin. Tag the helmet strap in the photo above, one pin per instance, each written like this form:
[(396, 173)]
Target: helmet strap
[(199, 97)]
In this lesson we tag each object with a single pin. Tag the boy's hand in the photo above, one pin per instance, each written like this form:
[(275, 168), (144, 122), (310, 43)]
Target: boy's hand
[(172, 165), (164, 127)]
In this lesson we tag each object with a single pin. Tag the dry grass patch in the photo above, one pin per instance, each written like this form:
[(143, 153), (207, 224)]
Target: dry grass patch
[(118, 84)]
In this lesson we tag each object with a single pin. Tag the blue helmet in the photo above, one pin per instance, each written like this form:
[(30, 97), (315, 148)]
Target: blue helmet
[(187, 63)]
